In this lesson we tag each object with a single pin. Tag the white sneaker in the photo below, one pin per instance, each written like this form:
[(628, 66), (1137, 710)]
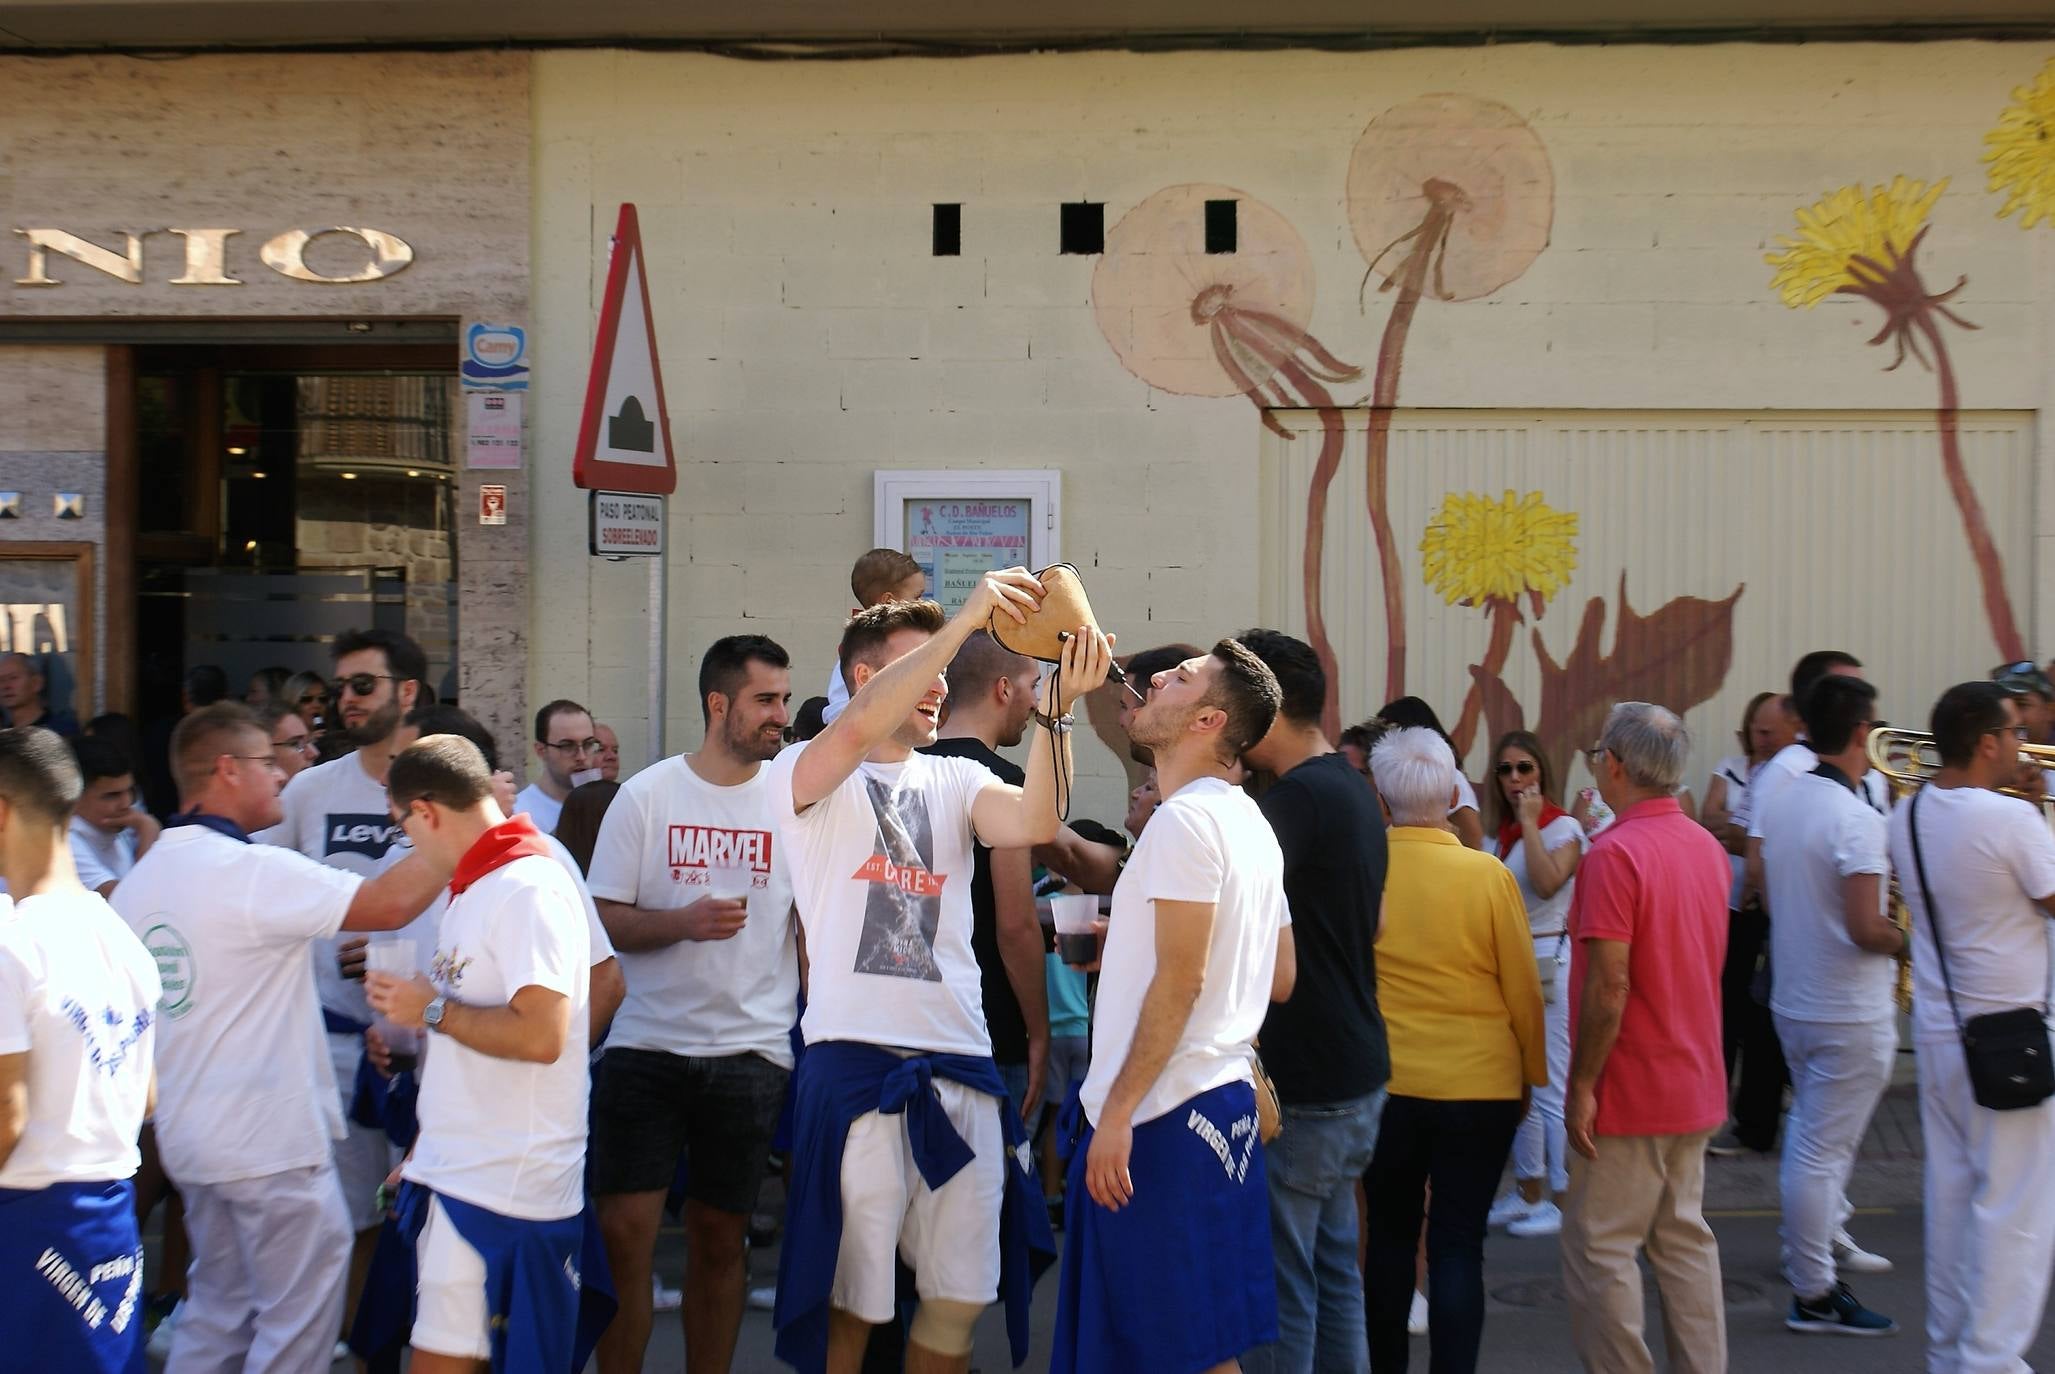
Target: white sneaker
[(664, 1299), (159, 1346), (765, 1298), (1416, 1320), (1509, 1209), (1852, 1258), (1545, 1220)]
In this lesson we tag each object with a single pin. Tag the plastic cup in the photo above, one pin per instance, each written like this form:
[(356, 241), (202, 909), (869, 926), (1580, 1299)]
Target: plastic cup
[(397, 957), (1077, 941)]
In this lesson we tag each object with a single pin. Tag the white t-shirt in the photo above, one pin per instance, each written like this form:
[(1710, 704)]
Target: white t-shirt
[(1466, 795), (1990, 857), (1819, 833), (540, 806), (1207, 843), (501, 1134), (595, 933), (78, 996), (244, 1087), (1795, 761), (99, 856), (669, 839), (337, 814), (1546, 915), (881, 871), (1736, 771), (838, 692)]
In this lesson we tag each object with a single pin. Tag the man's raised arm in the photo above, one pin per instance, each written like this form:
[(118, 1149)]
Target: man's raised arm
[(884, 702), (1020, 818)]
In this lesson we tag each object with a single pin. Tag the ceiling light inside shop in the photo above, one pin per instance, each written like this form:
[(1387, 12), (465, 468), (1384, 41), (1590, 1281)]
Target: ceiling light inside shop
[(349, 476), (237, 452), (260, 476), (412, 473)]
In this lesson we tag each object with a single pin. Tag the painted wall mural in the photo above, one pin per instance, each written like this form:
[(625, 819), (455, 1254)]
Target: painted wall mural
[(1864, 242), (1450, 197)]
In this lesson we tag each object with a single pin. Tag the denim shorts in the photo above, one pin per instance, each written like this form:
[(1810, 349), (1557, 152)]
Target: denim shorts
[(650, 1108)]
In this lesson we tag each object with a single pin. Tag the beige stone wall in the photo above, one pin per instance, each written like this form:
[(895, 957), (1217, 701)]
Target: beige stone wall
[(431, 148), (809, 338)]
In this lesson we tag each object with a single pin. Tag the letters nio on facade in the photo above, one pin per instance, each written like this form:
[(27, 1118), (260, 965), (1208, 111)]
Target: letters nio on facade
[(206, 256)]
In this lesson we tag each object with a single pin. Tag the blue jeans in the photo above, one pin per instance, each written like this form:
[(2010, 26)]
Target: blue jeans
[(1015, 1077), (1314, 1165)]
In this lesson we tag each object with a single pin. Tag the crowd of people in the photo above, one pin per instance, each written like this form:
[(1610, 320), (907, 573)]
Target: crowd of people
[(401, 1053)]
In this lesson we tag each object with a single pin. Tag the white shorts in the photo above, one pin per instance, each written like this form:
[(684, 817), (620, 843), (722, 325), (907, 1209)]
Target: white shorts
[(948, 1237), (450, 1316), (363, 1157)]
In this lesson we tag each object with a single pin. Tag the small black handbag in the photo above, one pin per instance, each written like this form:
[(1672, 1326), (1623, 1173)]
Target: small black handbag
[(2010, 1066)]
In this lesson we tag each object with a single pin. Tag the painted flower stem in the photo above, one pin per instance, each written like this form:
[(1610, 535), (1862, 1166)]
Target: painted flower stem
[(1990, 569), (1504, 618), (1411, 280)]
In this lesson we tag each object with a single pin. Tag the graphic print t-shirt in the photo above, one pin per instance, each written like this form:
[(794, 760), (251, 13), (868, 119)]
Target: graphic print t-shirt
[(78, 996), (881, 870), (336, 814), (669, 839)]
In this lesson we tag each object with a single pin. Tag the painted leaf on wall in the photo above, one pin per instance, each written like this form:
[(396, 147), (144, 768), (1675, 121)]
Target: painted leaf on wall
[(1676, 657)]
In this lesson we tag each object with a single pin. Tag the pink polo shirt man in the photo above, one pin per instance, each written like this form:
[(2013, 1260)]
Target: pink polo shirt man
[(1657, 881)]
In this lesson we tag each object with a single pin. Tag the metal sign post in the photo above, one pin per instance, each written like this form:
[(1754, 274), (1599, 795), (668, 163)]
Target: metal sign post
[(624, 456)]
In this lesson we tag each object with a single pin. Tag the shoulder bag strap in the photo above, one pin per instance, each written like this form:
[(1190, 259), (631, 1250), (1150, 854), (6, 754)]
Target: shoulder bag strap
[(1919, 862)]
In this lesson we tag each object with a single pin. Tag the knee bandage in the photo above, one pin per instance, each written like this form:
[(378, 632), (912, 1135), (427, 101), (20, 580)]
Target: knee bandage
[(944, 1326)]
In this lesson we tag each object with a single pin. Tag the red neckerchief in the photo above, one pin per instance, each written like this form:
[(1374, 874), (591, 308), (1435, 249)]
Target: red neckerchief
[(496, 848), (1509, 833)]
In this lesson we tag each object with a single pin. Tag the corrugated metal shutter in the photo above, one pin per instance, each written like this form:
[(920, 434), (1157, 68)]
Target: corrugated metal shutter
[(1837, 527)]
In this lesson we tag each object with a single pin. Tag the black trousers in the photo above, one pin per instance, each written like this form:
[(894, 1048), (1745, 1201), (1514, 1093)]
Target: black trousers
[(1460, 1148), (1749, 1034)]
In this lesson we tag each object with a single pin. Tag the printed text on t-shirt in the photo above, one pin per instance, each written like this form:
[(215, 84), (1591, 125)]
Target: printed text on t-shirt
[(712, 846)]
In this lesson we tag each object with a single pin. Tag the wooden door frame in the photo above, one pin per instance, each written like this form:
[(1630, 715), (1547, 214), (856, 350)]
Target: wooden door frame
[(80, 554)]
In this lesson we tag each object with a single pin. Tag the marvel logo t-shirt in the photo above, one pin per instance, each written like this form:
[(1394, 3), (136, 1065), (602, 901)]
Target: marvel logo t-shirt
[(881, 870), (669, 839)]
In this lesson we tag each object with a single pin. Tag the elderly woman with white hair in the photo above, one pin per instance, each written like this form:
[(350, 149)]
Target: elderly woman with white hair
[(1461, 997)]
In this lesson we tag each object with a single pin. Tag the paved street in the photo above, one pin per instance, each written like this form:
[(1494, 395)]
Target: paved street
[(1528, 1325)]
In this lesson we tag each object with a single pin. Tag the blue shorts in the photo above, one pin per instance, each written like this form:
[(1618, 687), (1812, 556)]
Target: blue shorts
[(1182, 1278), (72, 1299)]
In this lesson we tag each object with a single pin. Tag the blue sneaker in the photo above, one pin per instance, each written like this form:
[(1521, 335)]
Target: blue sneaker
[(1838, 1314)]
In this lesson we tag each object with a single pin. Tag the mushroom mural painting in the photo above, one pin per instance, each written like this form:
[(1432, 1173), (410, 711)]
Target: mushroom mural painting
[(1863, 242), (1450, 196), (1223, 324)]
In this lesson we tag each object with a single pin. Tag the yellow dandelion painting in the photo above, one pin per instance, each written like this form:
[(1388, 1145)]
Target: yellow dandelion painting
[(1851, 239), (2020, 152), (1479, 551)]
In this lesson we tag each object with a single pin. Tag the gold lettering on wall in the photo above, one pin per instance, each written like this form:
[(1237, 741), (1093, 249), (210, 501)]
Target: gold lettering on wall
[(43, 242), (287, 255), (206, 257)]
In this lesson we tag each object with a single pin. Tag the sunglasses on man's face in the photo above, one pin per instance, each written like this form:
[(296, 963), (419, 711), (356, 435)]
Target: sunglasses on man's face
[(361, 684), (1523, 767)]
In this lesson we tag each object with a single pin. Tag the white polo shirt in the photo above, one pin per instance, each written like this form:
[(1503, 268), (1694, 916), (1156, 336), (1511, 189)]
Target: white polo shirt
[(1819, 833), (100, 857), (502, 1134), (244, 1087), (78, 996)]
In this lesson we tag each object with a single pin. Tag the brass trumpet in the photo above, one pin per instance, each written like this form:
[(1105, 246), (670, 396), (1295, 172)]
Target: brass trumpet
[(1908, 759)]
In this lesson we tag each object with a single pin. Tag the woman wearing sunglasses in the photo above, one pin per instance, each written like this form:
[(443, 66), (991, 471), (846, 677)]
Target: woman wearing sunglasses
[(1540, 843)]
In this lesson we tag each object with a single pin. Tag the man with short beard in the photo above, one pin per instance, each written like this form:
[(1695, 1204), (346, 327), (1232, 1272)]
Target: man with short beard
[(695, 897), (336, 812)]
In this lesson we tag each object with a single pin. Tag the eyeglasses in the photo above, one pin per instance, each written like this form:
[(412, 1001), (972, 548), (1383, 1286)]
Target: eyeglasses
[(2019, 669), (2018, 732), (576, 746), (317, 697), (1591, 755), (362, 684), (1523, 767), (303, 745), (269, 760)]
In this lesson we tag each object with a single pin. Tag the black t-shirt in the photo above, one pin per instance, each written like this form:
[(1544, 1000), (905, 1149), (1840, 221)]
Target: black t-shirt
[(1003, 1020), (1327, 1044)]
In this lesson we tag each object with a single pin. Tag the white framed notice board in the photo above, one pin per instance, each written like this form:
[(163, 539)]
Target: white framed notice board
[(958, 525)]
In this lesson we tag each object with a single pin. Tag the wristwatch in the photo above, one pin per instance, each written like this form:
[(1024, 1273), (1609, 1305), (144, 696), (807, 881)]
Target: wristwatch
[(1056, 724), (431, 1015)]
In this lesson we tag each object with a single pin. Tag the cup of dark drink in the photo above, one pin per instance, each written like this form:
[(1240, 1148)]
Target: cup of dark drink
[(1077, 940), (397, 958)]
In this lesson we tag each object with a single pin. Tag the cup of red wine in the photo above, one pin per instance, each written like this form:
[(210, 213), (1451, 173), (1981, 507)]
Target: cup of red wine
[(1077, 936)]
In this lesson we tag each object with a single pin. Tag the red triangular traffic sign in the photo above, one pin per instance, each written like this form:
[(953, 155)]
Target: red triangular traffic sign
[(624, 438)]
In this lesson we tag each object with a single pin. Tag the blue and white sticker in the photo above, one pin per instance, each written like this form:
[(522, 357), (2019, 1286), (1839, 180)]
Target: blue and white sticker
[(495, 357)]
